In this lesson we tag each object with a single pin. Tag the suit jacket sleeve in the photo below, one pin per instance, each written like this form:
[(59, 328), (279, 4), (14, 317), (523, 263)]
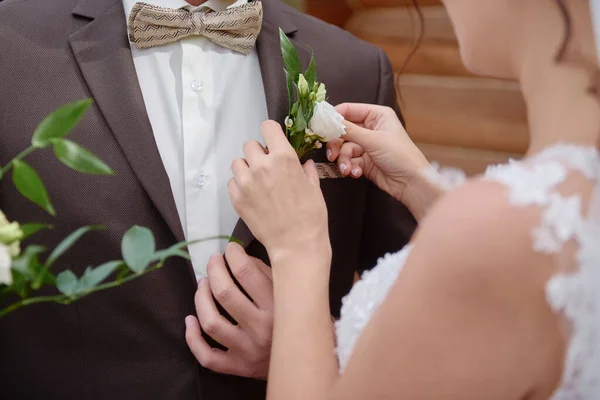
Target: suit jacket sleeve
[(387, 224)]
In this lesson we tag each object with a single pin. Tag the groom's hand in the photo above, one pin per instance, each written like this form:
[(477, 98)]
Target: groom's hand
[(249, 342)]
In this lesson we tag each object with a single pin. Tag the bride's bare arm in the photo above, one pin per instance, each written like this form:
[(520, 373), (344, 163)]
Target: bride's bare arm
[(467, 318)]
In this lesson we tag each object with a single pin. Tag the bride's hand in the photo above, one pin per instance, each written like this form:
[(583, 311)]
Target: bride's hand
[(377, 146), (278, 198)]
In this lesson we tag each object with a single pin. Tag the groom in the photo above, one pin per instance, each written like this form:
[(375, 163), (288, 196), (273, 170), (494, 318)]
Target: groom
[(169, 119)]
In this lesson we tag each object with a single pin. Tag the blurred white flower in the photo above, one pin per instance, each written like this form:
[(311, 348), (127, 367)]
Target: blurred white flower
[(326, 122), (5, 263), (9, 232)]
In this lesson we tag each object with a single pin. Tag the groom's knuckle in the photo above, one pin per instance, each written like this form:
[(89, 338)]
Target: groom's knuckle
[(246, 181), (209, 361), (261, 168), (243, 271), (211, 326), (224, 295)]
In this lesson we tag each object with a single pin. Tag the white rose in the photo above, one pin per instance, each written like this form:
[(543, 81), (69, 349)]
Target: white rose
[(327, 122), (5, 262)]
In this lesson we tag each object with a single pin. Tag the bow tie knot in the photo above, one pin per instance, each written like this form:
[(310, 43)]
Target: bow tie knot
[(235, 28)]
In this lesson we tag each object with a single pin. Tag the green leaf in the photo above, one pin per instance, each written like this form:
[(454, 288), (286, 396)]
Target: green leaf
[(76, 157), (68, 242), (311, 72), (19, 283), (32, 229), (59, 123), (301, 123), (29, 184), (290, 89), (138, 248), (28, 262), (67, 283), (293, 67), (124, 271), (92, 277), (290, 56)]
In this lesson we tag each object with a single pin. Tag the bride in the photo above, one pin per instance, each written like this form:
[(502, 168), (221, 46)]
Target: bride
[(498, 295)]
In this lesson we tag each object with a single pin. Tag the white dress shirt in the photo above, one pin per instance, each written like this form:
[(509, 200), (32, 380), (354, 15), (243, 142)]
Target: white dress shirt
[(204, 102)]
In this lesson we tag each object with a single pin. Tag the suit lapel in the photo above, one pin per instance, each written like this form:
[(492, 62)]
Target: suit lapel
[(102, 51), (273, 75)]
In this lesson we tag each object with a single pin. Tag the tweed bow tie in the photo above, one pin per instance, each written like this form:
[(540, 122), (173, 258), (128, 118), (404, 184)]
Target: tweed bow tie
[(235, 28)]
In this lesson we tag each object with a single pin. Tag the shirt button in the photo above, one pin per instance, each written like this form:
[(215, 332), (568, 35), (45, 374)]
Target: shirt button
[(196, 86), (200, 180)]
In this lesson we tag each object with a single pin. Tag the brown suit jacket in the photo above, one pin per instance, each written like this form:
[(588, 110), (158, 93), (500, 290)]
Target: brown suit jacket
[(128, 343)]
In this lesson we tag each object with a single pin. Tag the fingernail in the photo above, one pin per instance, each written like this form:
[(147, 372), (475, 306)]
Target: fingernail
[(328, 154), (188, 321), (201, 282), (355, 171), (342, 168)]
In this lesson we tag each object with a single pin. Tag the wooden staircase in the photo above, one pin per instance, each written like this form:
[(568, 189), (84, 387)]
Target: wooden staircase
[(456, 118)]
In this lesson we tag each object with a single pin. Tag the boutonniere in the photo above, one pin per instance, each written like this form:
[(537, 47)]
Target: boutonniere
[(311, 119)]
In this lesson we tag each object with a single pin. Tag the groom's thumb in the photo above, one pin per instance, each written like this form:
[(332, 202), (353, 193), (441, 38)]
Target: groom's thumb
[(359, 135)]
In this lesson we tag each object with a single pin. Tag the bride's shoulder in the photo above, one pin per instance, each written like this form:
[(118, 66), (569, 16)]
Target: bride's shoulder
[(478, 225)]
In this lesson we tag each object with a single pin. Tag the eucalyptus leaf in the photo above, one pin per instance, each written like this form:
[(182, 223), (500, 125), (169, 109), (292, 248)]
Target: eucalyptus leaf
[(76, 157), (138, 247), (92, 277), (311, 72), (67, 283), (59, 123), (32, 229), (30, 185), (68, 242)]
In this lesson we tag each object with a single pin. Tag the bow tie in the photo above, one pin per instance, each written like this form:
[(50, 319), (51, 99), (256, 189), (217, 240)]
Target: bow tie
[(235, 28)]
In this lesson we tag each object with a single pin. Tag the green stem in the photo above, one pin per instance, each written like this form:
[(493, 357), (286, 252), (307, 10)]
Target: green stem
[(62, 299), (19, 156)]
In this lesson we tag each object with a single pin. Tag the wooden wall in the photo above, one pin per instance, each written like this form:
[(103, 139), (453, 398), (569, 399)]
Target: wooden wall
[(456, 118)]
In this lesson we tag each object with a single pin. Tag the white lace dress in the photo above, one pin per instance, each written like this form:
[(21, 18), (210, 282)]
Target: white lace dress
[(573, 292)]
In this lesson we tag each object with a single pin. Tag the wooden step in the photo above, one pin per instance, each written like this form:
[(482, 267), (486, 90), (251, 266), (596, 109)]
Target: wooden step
[(471, 161), (467, 112), (400, 24)]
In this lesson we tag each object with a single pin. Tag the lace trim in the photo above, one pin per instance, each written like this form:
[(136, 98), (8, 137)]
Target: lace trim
[(364, 299)]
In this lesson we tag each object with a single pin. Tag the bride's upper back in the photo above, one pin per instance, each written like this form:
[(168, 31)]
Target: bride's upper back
[(559, 189)]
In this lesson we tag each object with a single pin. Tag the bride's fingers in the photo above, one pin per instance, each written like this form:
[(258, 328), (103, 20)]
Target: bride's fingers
[(333, 149), (347, 153), (357, 167), (311, 172)]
